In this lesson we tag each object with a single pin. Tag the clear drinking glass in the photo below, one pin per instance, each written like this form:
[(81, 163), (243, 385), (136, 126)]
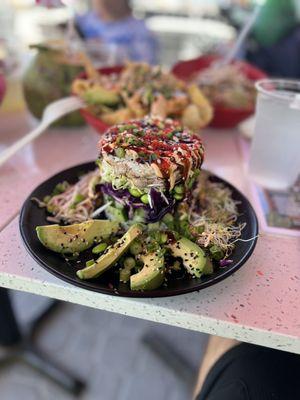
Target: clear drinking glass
[(275, 152)]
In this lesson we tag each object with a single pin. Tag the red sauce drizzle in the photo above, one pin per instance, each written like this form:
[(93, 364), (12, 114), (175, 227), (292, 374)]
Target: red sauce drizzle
[(156, 141)]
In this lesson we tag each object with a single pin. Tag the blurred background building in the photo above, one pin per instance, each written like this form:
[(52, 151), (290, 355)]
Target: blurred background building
[(163, 32)]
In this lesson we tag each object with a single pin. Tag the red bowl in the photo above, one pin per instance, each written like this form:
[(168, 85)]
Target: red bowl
[(90, 118), (223, 117), (2, 88)]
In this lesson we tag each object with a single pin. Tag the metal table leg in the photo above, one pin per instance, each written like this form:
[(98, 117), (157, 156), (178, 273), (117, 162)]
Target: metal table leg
[(20, 345)]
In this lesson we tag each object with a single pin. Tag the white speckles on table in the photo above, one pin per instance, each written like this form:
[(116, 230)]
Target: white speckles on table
[(259, 304)]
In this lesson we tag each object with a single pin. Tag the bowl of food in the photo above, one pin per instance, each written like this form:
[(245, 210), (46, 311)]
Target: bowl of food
[(230, 89), (116, 95), (144, 220), (91, 112)]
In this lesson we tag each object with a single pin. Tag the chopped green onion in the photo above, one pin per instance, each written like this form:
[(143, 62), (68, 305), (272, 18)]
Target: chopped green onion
[(120, 152), (152, 157), (134, 141), (126, 128)]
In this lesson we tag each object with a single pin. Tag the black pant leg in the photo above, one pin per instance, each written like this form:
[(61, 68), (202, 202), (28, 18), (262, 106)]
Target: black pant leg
[(9, 329), (249, 372)]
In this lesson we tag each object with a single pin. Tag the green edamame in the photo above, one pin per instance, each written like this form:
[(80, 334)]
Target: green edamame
[(179, 189), (145, 199), (135, 192), (129, 262), (135, 248), (216, 253), (99, 248), (178, 196), (89, 263)]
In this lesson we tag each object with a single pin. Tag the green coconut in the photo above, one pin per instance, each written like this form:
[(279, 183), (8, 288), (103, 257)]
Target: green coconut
[(49, 78)]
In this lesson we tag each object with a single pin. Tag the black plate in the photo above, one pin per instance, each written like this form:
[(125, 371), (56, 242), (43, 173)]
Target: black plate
[(31, 216)]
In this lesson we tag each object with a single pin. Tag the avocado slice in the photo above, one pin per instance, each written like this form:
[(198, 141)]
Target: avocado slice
[(98, 95), (77, 237), (151, 276), (193, 257), (111, 254)]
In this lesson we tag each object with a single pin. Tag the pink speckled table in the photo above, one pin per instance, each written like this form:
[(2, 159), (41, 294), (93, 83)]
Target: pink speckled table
[(258, 304), (55, 150)]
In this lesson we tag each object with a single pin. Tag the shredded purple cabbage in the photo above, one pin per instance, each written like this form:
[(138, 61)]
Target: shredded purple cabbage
[(225, 263), (159, 205)]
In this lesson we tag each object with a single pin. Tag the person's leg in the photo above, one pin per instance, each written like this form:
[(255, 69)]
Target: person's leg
[(9, 330), (233, 370), (216, 347)]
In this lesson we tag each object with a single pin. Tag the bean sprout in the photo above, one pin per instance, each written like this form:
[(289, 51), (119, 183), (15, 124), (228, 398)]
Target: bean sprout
[(66, 207)]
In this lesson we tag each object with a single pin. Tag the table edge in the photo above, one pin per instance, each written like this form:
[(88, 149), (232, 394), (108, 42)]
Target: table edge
[(138, 308)]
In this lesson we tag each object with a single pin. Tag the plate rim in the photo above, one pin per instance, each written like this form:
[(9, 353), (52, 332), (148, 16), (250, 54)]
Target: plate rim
[(128, 293)]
